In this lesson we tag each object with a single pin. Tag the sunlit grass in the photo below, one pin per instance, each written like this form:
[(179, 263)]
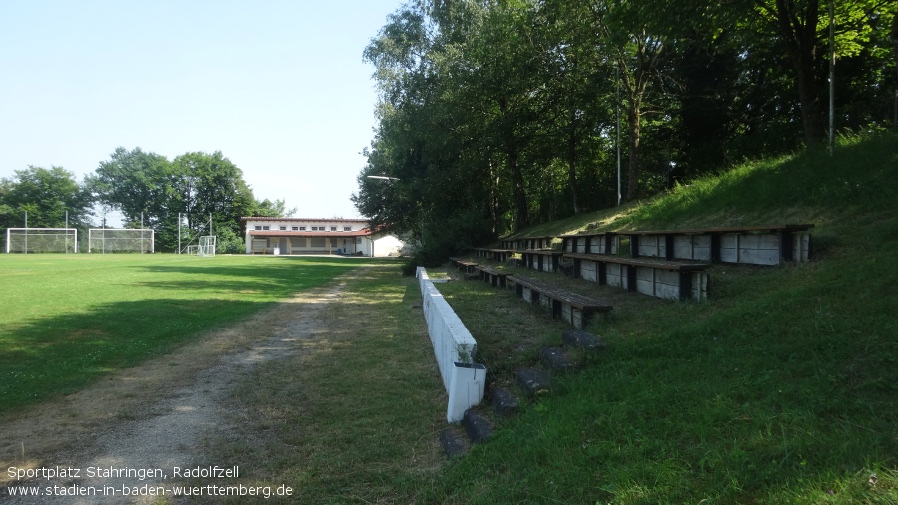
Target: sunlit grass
[(69, 319), (781, 388)]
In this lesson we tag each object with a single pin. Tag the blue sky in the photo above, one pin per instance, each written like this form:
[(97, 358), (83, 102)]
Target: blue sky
[(278, 86)]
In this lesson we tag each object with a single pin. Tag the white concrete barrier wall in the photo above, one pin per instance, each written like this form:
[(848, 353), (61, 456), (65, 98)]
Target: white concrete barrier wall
[(454, 349)]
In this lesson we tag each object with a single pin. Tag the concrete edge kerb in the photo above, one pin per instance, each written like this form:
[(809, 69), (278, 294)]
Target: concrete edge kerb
[(455, 350)]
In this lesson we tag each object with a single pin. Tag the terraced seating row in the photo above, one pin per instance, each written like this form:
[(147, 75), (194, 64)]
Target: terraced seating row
[(493, 276), (755, 245), (465, 266), (659, 278), (574, 308), (497, 255), (590, 243)]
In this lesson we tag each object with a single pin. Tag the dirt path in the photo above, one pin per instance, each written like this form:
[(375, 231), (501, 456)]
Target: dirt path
[(132, 430)]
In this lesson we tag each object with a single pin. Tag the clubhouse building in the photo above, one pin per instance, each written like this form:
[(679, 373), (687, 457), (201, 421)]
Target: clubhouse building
[(291, 235)]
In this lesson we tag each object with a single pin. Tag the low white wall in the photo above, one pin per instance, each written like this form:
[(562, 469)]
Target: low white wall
[(455, 350)]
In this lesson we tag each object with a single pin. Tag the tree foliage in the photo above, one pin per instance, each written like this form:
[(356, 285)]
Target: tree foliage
[(52, 198), (191, 189), (149, 190), (496, 114)]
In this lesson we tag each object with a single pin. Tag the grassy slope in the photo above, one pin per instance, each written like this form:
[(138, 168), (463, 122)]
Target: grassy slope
[(781, 389)]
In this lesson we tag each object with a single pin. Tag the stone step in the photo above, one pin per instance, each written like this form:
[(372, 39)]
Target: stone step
[(533, 380), (454, 442), (556, 360), (504, 402), (477, 425), (582, 340)]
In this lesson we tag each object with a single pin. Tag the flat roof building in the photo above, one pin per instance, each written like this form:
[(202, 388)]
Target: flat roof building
[(296, 235)]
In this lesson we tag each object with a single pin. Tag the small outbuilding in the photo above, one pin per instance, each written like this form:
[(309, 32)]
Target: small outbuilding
[(293, 235)]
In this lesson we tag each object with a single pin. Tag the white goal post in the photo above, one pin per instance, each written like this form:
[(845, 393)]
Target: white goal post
[(114, 240), (206, 246), (41, 240)]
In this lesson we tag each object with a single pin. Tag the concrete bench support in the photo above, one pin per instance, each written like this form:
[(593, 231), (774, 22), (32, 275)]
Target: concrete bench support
[(658, 278), (754, 245)]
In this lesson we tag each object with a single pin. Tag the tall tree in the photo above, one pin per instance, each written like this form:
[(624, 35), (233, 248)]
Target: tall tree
[(801, 28), (194, 186), (52, 197), (136, 183), (636, 45)]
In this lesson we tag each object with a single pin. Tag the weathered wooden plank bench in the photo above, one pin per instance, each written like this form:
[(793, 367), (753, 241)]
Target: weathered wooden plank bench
[(590, 243), (541, 260), (523, 243), (492, 276), (544, 242), (502, 255), (463, 265), (511, 243), (482, 252), (574, 308), (653, 277), (497, 255), (756, 245)]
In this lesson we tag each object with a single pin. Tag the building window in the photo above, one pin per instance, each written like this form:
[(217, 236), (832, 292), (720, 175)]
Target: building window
[(347, 228), (302, 228), (258, 227), (333, 228), (266, 228), (295, 228), (314, 228), (283, 228)]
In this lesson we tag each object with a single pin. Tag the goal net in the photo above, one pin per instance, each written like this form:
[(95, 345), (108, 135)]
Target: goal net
[(41, 240), (206, 247), (114, 240)]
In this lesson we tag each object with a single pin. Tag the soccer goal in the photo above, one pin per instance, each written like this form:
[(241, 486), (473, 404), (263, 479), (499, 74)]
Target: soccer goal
[(41, 240), (206, 246), (115, 240)]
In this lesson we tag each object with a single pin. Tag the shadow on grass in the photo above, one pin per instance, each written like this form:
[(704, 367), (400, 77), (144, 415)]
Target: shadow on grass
[(55, 354), (61, 354)]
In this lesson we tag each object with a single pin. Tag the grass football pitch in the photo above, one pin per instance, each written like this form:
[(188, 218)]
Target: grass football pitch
[(67, 320)]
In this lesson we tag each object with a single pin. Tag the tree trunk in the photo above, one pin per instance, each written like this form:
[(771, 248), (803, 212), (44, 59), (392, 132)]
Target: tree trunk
[(493, 197), (572, 160), (799, 33), (633, 117), (522, 220), (895, 53)]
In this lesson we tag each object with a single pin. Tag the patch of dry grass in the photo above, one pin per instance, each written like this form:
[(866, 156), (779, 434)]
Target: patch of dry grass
[(352, 417)]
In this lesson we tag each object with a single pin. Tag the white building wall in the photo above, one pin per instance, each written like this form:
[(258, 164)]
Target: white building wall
[(334, 231)]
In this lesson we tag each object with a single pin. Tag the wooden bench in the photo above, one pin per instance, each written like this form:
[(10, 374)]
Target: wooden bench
[(541, 260), (544, 242), (493, 276), (502, 255), (511, 243), (756, 245), (463, 265), (497, 255), (654, 277), (573, 308), (590, 243), (482, 252)]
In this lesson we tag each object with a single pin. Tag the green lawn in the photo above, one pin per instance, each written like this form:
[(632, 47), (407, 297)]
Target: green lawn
[(781, 388), (69, 319)]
